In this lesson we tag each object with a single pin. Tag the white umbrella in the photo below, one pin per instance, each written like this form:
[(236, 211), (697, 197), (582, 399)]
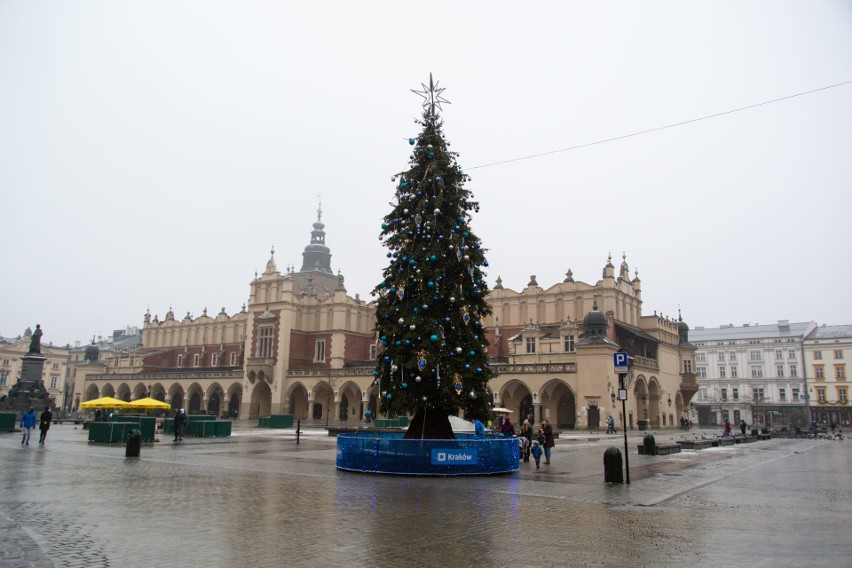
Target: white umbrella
[(501, 410)]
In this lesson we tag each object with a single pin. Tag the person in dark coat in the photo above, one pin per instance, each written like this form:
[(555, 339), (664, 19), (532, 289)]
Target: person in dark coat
[(743, 426), (547, 432), (507, 429), (179, 424), (44, 423), (536, 453)]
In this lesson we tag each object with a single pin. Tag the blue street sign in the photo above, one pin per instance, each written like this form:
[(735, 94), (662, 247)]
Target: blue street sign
[(619, 359)]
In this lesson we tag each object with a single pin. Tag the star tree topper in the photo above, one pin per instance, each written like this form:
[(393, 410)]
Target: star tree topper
[(431, 96)]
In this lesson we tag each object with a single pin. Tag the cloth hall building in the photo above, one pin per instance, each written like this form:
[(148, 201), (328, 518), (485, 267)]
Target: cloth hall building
[(303, 346)]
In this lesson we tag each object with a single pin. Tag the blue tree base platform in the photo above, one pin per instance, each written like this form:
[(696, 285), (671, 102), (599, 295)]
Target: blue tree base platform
[(390, 453)]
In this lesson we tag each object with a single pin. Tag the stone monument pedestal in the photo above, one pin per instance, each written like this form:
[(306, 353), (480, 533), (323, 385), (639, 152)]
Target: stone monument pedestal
[(29, 391)]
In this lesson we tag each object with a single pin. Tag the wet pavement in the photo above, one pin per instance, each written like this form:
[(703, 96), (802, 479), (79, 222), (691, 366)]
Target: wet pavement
[(259, 499)]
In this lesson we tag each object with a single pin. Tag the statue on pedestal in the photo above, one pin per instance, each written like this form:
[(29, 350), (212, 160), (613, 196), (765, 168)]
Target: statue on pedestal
[(35, 341)]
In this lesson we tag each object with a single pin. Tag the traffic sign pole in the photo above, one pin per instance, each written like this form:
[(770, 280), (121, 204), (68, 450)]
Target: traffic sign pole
[(624, 425)]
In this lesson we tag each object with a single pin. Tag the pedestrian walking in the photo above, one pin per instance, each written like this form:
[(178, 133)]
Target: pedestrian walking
[(526, 434), (179, 424), (44, 423), (610, 425), (727, 431), (743, 426), (28, 422), (536, 453), (547, 432)]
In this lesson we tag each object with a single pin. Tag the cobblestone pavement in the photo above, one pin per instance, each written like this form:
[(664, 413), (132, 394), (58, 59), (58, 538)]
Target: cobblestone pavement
[(258, 499)]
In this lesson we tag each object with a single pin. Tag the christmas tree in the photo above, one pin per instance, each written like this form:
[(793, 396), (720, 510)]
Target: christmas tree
[(430, 306)]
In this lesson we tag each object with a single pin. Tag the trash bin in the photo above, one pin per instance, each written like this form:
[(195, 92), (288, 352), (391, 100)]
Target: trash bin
[(134, 443), (612, 465), (650, 445)]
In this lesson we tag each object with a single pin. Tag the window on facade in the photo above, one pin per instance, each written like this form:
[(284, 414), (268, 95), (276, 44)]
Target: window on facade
[(757, 394), (754, 355), (725, 415), (702, 372), (214, 359), (196, 359), (779, 370), (53, 382), (791, 354), (838, 354), (841, 395), (233, 361), (732, 356), (735, 393), (687, 367), (700, 357), (721, 371), (3, 379), (264, 341), (840, 372), (569, 343), (530, 344), (56, 366), (721, 355), (5, 362), (733, 372), (319, 351), (794, 370), (796, 395), (756, 372), (779, 354), (374, 350), (702, 393), (821, 395), (819, 372), (724, 394), (782, 394), (180, 361), (817, 355)]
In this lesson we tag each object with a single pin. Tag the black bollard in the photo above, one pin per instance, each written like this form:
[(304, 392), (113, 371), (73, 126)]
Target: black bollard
[(612, 465), (650, 445), (298, 430), (134, 443)]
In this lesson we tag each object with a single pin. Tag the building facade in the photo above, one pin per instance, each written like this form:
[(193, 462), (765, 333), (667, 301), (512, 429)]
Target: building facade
[(303, 346), (754, 373), (827, 349)]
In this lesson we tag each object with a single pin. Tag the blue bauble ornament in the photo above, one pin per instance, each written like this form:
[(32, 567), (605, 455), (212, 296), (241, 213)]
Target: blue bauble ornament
[(472, 353), (430, 284), (434, 338), (467, 366), (384, 226), (375, 373), (411, 141), (404, 385), (386, 359), (433, 258), (431, 154), (389, 396), (485, 262), (479, 369)]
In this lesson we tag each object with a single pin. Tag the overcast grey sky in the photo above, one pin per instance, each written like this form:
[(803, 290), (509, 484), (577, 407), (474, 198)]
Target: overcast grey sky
[(151, 153)]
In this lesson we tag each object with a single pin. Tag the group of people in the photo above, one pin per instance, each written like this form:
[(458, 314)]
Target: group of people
[(536, 446), (727, 428), (28, 422)]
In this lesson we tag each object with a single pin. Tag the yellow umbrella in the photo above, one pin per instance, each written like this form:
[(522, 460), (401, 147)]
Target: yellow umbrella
[(147, 404), (105, 402)]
